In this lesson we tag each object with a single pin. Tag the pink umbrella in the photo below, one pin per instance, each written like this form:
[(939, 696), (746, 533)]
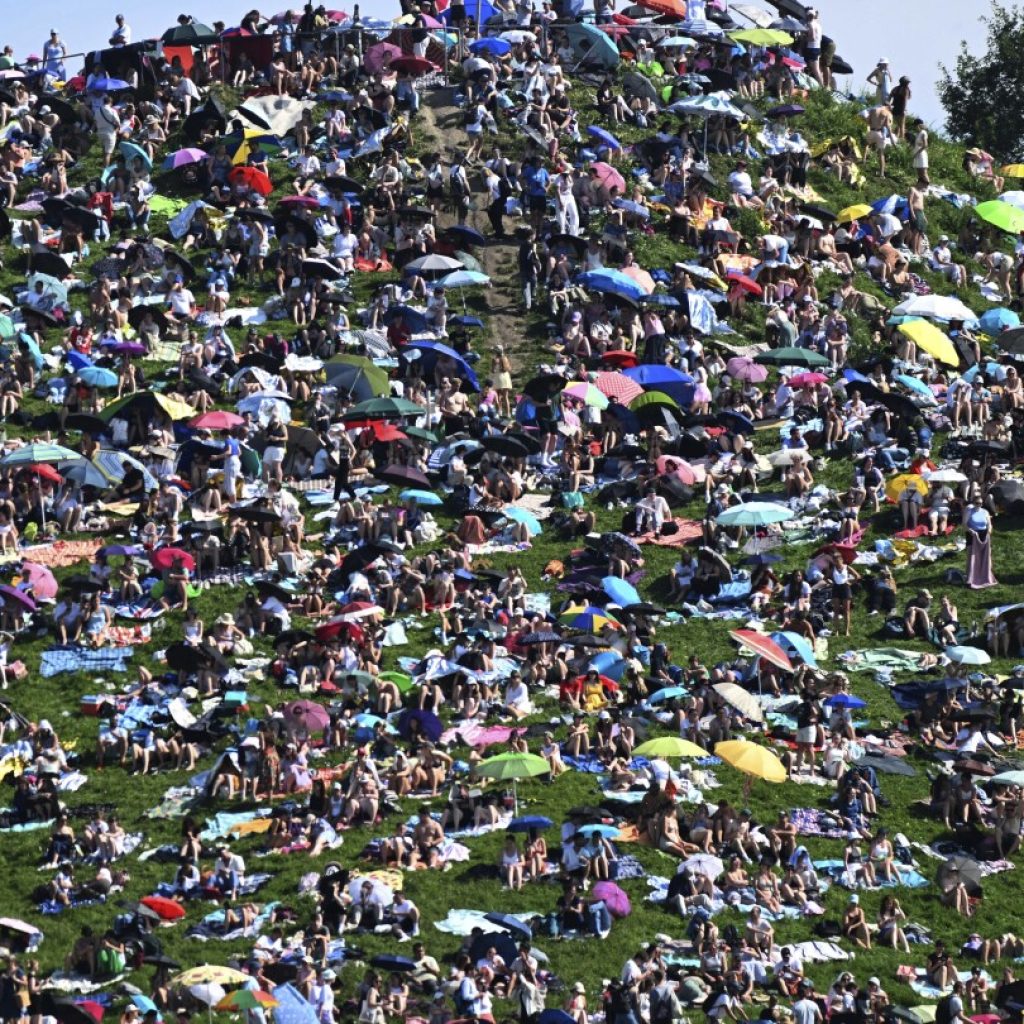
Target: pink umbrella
[(306, 202), (641, 277), (379, 56), (669, 465), (808, 380), (40, 578), (744, 368), (608, 176), (337, 16), (614, 898), (619, 386), (431, 22)]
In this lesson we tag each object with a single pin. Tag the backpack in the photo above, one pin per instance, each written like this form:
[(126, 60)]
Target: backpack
[(661, 1007), (942, 1010), (731, 935), (504, 187)]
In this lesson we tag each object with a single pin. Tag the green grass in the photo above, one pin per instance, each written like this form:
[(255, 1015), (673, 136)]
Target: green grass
[(58, 698)]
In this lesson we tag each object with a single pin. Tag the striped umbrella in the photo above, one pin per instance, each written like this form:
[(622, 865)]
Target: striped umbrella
[(40, 452)]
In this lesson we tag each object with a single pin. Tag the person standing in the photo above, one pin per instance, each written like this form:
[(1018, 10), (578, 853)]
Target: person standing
[(920, 154), (812, 46), (899, 99), (881, 79), (122, 34)]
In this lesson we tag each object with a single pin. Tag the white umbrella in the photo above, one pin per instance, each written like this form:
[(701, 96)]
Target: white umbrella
[(704, 864), (209, 994), (935, 307), (1015, 198), (379, 888), (968, 655), (945, 476), (745, 703)]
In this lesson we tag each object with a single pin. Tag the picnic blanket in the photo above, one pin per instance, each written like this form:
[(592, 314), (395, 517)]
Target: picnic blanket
[(686, 530), (176, 801), (76, 658), (62, 553), (812, 821), (462, 922)]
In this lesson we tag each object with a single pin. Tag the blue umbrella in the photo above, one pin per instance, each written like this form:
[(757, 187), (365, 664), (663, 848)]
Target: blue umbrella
[(476, 10), (422, 497), (510, 923), (792, 642), (97, 377), (661, 299), (856, 377), (605, 136), (608, 831), (430, 351), (292, 1008), (367, 722), (78, 360), (666, 693), (537, 821), (997, 320), (612, 282), (637, 209), (673, 382), (606, 661), (469, 235), (108, 85), (144, 1003), (429, 724), (391, 962), (846, 700), (413, 319), (620, 592), (916, 384), (133, 152), (521, 515), (498, 47), (554, 1016), (465, 320), (894, 204)]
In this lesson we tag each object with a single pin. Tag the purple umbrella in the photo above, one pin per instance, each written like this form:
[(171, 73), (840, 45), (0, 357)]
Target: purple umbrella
[(614, 898), (183, 158), (429, 725), (18, 595), (121, 549), (128, 348)]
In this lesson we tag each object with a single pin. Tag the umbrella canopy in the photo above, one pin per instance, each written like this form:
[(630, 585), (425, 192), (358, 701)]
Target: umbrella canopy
[(763, 646), (928, 337), (591, 45), (743, 701), (307, 716), (513, 765), (957, 871), (530, 821), (754, 513), (669, 746), (963, 655), (791, 357), (210, 974), (751, 759), (744, 368), (245, 999), (614, 898), (1002, 215), (166, 909), (897, 484), (39, 452), (704, 864), (40, 579), (936, 307)]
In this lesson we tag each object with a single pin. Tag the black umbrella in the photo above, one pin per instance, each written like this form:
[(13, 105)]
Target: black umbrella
[(502, 942), (293, 637), (83, 585), (255, 513), (391, 962), (324, 269), (1007, 495), (359, 558), (275, 590), (304, 439), (643, 609), (138, 313), (840, 66), (559, 243), (528, 441), (255, 117), (86, 423), (261, 359), (403, 476), (505, 445), (887, 765), (184, 657), (306, 229), (180, 263), (423, 213), (65, 1011), (510, 923), (67, 112), (194, 33), (50, 263), (964, 871), (588, 812), (545, 386), (543, 636), (821, 212), (162, 961), (212, 112), (343, 183)]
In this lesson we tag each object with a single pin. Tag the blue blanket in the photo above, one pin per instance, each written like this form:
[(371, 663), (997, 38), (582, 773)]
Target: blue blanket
[(75, 658)]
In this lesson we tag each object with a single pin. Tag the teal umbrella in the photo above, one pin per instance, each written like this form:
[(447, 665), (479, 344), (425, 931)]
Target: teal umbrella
[(132, 152), (520, 515), (40, 452), (592, 46), (98, 377), (421, 497), (754, 513)]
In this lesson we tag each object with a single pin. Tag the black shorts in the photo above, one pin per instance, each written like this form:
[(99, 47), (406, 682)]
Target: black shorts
[(841, 592), (538, 204)]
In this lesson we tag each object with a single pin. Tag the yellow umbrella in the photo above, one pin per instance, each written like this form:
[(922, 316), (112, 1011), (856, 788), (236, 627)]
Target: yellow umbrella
[(751, 759), (670, 746), (1013, 170), (211, 974), (854, 212), (175, 409), (927, 1014), (761, 37), (926, 335), (895, 487)]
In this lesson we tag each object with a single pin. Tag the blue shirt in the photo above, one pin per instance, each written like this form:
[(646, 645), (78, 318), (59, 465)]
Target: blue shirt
[(536, 180)]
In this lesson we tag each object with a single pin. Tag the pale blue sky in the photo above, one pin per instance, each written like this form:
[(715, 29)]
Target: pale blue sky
[(914, 34)]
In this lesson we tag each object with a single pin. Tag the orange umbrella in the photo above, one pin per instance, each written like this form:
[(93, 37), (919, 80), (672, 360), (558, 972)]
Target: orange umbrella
[(763, 646), (675, 8), (641, 277)]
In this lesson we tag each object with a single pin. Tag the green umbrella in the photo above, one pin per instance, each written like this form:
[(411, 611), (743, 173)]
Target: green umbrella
[(384, 407), (7, 329), (653, 398), (400, 679), (424, 435), (1001, 215), (352, 371), (791, 357), (513, 765), (1010, 778), (469, 262)]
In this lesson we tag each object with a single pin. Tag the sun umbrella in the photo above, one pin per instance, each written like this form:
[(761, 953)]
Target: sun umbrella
[(928, 337), (379, 55), (513, 765), (808, 380), (210, 974), (1014, 777), (744, 368), (251, 178), (959, 870), (761, 37), (591, 45), (614, 898), (588, 619), (1002, 215), (666, 693), (216, 420), (752, 759), (963, 655), (245, 999), (525, 824), (132, 152), (97, 377), (669, 746), (18, 596), (611, 282), (41, 580), (789, 641), (307, 715), (434, 264), (39, 452), (994, 321), (754, 513), (587, 394), (763, 646), (608, 176), (704, 864), (669, 465), (184, 158), (791, 357), (743, 701), (168, 910), (619, 386), (936, 307), (409, 65), (510, 923), (464, 279), (846, 700)]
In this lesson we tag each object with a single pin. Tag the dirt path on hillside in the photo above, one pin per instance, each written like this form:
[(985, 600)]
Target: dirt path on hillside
[(440, 125)]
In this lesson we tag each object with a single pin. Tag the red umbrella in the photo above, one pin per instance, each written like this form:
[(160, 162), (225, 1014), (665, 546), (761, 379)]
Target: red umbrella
[(607, 683), (308, 202), (252, 178), (620, 357), (623, 19), (387, 431), (764, 646), (168, 910), (164, 558), (45, 471), (844, 551), (336, 627), (608, 176), (747, 284), (379, 56), (619, 386), (91, 1007), (216, 420), (307, 715), (615, 31), (413, 65), (614, 898)]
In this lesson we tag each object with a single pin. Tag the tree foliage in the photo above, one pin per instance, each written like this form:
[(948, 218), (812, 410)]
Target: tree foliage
[(981, 95)]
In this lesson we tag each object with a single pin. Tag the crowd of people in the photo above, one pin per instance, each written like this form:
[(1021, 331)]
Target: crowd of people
[(254, 418)]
